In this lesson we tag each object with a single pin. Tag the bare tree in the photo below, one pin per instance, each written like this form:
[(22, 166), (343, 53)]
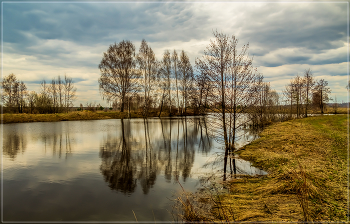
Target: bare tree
[(298, 87), (21, 96), (175, 60), (320, 96), (288, 94), (44, 102), (91, 106), (31, 99), (60, 93), (335, 105), (233, 86), (186, 74), (14, 93), (9, 85), (309, 84), (53, 90), (149, 68), (203, 86), (69, 92), (164, 80), (119, 76)]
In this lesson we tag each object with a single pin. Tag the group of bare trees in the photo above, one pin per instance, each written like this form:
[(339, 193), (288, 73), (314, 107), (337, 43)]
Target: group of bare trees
[(228, 86), (54, 97), (305, 92), (14, 92), (223, 82), (128, 78)]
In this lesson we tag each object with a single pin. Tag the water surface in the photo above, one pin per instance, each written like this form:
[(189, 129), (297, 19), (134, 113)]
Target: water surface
[(104, 170)]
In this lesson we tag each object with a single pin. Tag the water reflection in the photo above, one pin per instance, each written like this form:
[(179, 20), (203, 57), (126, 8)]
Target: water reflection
[(130, 158), (140, 160), (59, 143), (118, 168), (13, 143)]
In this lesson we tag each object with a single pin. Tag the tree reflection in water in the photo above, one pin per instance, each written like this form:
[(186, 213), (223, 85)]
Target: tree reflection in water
[(13, 143), (165, 148), (55, 138), (117, 165)]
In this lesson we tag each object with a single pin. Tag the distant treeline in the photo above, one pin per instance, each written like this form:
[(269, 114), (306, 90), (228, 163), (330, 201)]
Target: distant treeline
[(54, 97)]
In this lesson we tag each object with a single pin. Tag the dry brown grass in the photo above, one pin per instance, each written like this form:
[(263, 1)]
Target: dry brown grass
[(330, 110), (307, 164), (84, 115), (307, 181), (76, 115)]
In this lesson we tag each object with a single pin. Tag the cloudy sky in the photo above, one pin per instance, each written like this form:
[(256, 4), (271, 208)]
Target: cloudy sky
[(45, 39)]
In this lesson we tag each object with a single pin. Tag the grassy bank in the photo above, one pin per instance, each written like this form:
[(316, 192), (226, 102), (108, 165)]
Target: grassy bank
[(74, 116), (307, 164)]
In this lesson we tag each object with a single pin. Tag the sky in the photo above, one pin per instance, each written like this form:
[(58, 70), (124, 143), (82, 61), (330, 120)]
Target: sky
[(43, 39)]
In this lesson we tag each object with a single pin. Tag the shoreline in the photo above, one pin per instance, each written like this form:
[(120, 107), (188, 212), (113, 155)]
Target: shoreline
[(80, 115), (306, 161)]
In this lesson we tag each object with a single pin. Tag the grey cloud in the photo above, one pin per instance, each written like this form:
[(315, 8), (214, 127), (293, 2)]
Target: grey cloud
[(91, 23), (309, 28), (316, 27)]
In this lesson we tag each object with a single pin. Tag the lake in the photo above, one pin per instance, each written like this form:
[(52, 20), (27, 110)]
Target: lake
[(106, 170)]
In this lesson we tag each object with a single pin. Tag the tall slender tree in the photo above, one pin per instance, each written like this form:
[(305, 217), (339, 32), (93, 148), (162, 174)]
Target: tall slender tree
[(186, 74), (309, 84), (119, 76), (175, 60), (164, 81), (69, 92), (149, 68)]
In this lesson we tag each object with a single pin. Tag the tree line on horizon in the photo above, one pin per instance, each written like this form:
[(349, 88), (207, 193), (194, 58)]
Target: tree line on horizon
[(54, 97)]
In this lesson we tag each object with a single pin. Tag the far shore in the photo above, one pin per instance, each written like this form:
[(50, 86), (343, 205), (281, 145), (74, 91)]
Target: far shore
[(8, 118)]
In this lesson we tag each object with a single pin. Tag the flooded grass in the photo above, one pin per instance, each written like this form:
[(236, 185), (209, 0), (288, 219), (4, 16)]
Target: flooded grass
[(306, 161)]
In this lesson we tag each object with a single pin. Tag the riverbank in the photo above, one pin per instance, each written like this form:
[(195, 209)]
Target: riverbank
[(77, 115), (307, 163)]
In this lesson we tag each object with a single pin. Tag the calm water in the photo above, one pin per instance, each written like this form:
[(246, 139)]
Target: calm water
[(104, 170)]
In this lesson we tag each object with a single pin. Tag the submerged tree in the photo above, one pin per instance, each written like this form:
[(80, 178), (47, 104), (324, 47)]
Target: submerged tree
[(118, 72), (232, 86)]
